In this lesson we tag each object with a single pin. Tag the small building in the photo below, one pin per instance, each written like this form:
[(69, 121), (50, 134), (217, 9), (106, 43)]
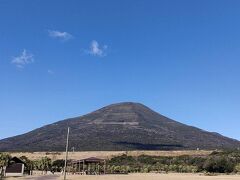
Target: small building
[(16, 167), (90, 166)]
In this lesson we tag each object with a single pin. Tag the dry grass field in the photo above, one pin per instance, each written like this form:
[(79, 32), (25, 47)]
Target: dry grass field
[(107, 154)]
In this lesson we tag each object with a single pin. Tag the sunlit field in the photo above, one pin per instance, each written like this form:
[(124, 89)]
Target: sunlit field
[(107, 154)]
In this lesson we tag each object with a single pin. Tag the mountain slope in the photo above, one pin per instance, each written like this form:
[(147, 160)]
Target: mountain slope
[(122, 126)]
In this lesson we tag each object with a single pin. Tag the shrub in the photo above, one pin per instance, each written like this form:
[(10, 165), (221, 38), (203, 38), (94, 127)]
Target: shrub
[(58, 165), (237, 168), (218, 164)]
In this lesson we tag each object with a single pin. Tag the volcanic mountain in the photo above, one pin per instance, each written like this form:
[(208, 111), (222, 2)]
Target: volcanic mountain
[(122, 126)]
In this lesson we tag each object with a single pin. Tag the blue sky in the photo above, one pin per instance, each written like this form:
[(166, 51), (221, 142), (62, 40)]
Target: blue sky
[(61, 59)]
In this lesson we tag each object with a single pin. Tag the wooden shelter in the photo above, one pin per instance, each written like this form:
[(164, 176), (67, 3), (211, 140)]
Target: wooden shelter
[(90, 166), (16, 167)]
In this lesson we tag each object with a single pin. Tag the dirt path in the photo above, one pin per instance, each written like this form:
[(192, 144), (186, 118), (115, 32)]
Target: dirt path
[(155, 177), (43, 177), (144, 176)]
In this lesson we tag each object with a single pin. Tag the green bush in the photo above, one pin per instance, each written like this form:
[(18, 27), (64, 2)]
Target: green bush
[(237, 168), (218, 164), (57, 165)]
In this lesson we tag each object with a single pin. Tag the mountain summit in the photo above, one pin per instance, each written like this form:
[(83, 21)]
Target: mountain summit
[(122, 126)]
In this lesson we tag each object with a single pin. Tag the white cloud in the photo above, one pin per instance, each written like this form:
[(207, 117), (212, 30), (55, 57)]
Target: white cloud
[(97, 50), (50, 71), (23, 59), (60, 35)]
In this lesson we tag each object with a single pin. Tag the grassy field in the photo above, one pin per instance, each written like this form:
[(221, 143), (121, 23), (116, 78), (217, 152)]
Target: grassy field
[(106, 154)]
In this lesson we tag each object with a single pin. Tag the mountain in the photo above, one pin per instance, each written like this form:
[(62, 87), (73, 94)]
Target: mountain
[(122, 126)]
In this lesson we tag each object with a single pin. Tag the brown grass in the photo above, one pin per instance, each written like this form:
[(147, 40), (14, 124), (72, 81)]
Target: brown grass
[(107, 154)]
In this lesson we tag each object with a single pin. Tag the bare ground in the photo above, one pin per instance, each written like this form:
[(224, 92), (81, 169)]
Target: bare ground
[(146, 176), (156, 177)]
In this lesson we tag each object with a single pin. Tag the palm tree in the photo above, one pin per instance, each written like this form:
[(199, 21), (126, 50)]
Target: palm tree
[(46, 164), (28, 162), (4, 159)]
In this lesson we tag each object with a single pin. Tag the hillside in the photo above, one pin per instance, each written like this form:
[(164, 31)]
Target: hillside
[(122, 126)]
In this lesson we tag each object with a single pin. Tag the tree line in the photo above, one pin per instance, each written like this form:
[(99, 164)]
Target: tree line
[(216, 162)]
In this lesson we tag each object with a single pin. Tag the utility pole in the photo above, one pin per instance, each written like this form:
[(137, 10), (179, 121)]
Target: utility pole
[(66, 157)]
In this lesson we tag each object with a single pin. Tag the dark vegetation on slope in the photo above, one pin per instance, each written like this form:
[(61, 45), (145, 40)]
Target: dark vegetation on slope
[(122, 126)]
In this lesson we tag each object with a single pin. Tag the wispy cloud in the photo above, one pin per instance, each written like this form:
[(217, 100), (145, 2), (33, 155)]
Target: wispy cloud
[(50, 71), (60, 35), (23, 59), (97, 50)]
